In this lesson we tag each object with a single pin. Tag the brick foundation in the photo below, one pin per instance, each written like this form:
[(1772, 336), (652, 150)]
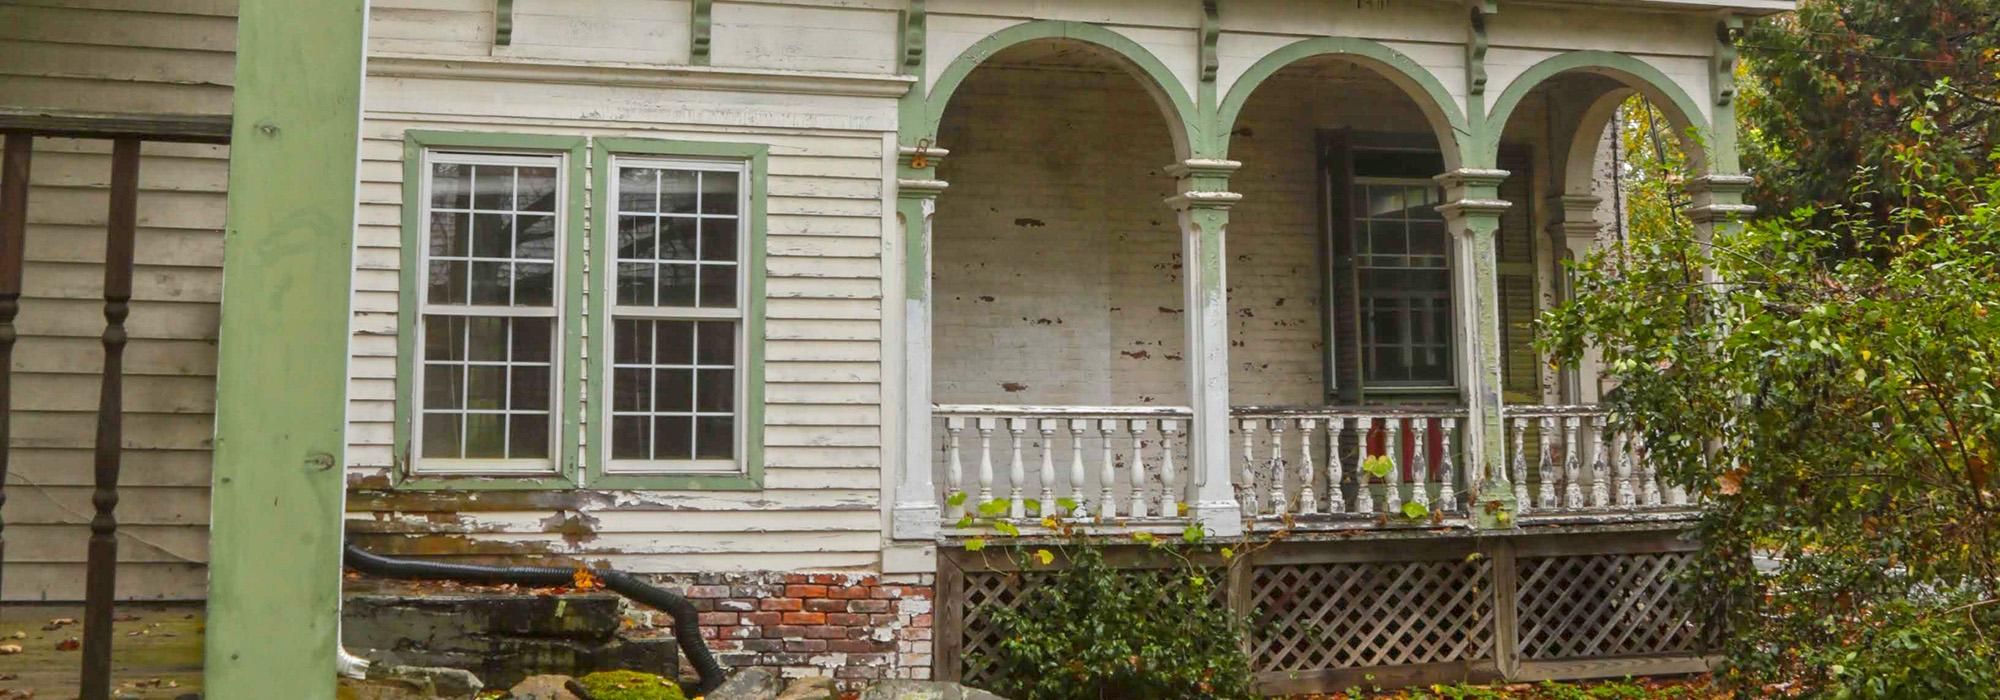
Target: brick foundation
[(852, 627)]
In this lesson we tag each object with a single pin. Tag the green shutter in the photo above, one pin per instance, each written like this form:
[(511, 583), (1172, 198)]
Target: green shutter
[(1342, 284), (1520, 368)]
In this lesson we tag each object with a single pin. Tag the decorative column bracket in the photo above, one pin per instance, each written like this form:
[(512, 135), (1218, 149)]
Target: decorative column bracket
[(1203, 205), (1476, 45), (700, 22), (1211, 35), (915, 28), (503, 22), (1722, 76), (917, 512), (1473, 211)]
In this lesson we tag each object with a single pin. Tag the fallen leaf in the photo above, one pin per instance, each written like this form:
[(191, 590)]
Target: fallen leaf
[(70, 644), (9, 649)]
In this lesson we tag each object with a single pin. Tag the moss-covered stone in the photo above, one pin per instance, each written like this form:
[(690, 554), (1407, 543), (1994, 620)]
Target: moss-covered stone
[(630, 685)]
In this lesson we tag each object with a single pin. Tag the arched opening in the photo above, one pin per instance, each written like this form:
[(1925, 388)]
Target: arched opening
[(1057, 303), (1344, 340)]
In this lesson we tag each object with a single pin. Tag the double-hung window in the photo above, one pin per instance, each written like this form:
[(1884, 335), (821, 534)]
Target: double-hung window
[(1404, 271), (491, 313), (675, 325)]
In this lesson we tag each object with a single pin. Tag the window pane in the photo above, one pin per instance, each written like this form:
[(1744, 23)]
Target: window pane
[(485, 436), (485, 387), (677, 238), (530, 391), (673, 390), (635, 284), (637, 189), (534, 339), (673, 437), (718, 343), (677, 191), (444, 386), (451, 234), (490, 282), (718, 239), (1385, 202), (444, 338), (493, 235), (676, 342), (715, 436), (718, 286), (441, 433), (629, 437), (715, 391), (449, 278), (528, 436), (636, 237), (535, 236), (632, 342), (451, 185), (488, 341), (718, 193), (677, 284), (537, 189), (534, 284), (493, 187), (631, 389)]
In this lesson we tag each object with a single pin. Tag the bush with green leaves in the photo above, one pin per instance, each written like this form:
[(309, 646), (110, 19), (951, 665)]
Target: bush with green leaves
[(1832, 391), (1084, 629)]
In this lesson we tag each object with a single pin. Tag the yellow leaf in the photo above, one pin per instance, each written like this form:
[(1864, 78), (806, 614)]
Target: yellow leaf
[(1044, 556)]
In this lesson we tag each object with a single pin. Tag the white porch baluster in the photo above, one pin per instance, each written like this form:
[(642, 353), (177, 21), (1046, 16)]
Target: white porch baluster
[(986, 426), (1447, 496), (1420, 462), (1392, 442), (1652, 483), (1364, 490), (1572, 465), (954, 473), (1076, 427), (1107, 473), (1277, 469), (1170, 497), (1047, 475), (1017, 475), (1138, 471), (1626, 494), (1545, 465), (1307, 504), (1600, 472), (1246, 488), (1520, 465), (1336, 499)]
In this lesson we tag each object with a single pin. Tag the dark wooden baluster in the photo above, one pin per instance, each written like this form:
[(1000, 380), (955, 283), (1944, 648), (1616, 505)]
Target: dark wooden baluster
[(13, 233), (102, 576)]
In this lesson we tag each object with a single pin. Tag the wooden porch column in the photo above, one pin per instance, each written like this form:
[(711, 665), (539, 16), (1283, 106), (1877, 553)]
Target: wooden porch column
[(1472, 213), (1575, 236), (281, 384), (916, 512), (1203, 205), (1717, 206), (19, 151)]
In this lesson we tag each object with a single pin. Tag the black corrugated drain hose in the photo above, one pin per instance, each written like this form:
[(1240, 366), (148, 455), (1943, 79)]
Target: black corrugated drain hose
[(687, 632)]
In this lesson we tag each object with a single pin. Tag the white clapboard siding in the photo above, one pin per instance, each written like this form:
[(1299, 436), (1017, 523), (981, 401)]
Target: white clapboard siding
[(821, 505)]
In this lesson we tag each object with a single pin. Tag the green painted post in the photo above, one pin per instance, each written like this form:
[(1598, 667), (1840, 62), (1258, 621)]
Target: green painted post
[(274, 573), (1472, 213)]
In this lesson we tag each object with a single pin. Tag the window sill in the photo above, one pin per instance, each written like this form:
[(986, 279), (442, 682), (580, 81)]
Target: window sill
[(485, 482)]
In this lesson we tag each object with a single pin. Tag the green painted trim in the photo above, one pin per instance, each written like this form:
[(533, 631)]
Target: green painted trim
[(700, 24), (281, 389), (1637, 74), (752, 412), (1183, 121), (1429, 92), (415, 143)]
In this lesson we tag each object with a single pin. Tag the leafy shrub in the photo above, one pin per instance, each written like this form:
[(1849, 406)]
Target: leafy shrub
[(630, 685), (1086, 630)]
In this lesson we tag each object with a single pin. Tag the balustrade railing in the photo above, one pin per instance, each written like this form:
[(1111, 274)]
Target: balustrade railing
[(1577, 460), (1030, 461), (1314, 461)]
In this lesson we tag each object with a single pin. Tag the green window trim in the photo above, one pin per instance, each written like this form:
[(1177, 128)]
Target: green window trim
[(575, 150), (750, 415)]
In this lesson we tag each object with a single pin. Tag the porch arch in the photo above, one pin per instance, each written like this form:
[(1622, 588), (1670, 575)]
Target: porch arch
[(1679, 107), (1423, 88), (1152, 74)]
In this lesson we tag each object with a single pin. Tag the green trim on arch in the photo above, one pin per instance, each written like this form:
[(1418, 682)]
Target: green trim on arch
[(1636, 73), (1435, 100), (1185, 121)]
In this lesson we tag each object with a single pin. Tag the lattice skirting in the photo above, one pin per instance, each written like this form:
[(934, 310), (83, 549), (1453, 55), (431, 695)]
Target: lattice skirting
[(1325, 616)]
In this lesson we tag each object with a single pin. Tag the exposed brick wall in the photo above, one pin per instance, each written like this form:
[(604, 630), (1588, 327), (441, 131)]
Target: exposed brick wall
[(852, 627)]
